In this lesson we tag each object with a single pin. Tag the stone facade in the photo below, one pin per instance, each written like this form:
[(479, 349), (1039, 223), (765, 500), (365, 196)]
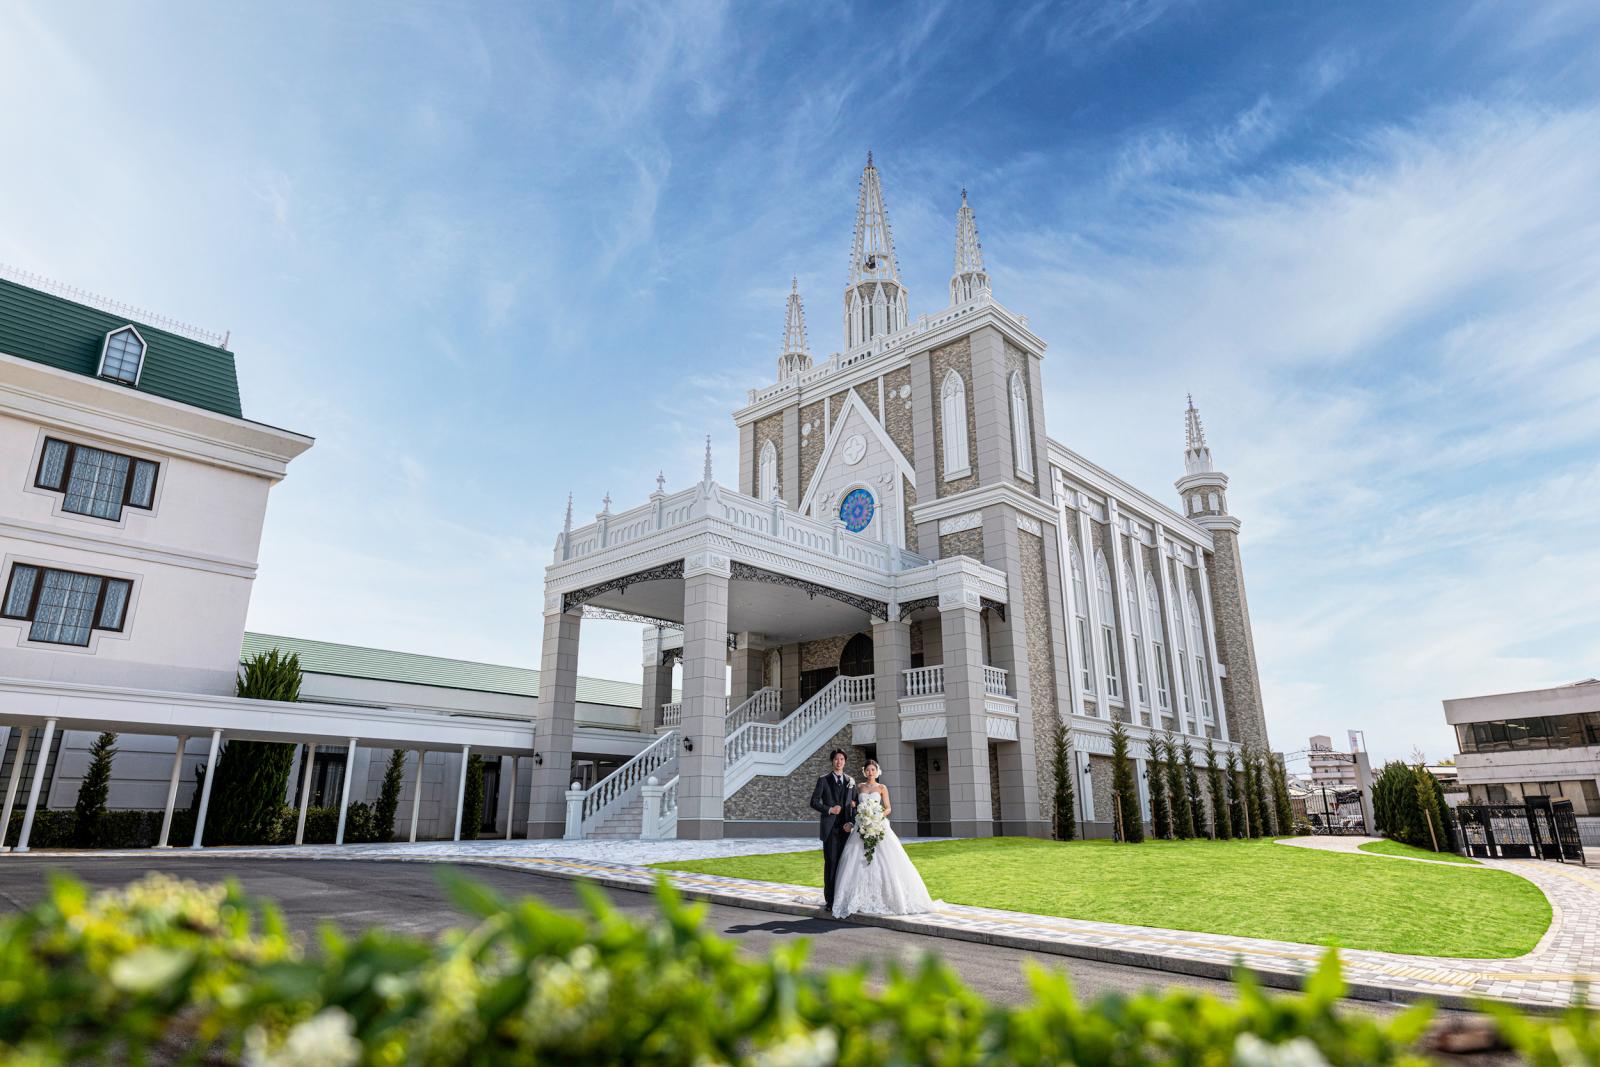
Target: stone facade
[(772, 799), (768, 429), (897, 411), (963, 543), (957, 357), (824, 653), (1040, 640), (813, 437), (1241, 688)]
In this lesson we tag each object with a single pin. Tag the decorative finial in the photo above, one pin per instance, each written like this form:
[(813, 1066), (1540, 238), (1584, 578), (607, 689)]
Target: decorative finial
[(963, 194), (661, 481), (968, 279), (869, 157), (1196, 453), (605, 505), (707, 478), (567, 526)]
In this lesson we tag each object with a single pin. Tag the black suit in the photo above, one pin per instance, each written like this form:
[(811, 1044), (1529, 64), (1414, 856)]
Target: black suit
[(828, 794)]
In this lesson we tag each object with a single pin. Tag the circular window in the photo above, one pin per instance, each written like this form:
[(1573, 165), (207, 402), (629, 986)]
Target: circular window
[(855, 511)]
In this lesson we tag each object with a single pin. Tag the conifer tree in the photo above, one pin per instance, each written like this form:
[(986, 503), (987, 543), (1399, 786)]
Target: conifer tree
[(1280, 796), (389, 795), (1191, 781), (1221, 823), (1124, 790), (1252, 794), (90, 811), (1160, 812), (252, 783), (472, 802), (1182, 810), (1262, 794), (1066, 813), (1238, 811)]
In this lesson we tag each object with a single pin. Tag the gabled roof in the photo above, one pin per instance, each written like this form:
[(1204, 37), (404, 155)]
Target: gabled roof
[(68, 335), (354, 661)]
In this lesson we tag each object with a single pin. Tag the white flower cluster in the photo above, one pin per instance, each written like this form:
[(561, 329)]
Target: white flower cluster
[(327, 1039), (871, 823)]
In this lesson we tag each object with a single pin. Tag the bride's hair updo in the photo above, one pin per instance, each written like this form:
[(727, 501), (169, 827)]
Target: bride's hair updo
[(870, 762)]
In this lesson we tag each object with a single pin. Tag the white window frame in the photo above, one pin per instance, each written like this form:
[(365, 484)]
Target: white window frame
[(105, 350), (1021, 427), (1202, 673), (1080, 610), (1108, 624), (1130, 598), (767, 472), (953, 409), (1158, 645)]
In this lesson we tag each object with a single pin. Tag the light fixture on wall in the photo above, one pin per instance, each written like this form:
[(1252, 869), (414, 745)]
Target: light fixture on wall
[(936, 767), (688, 744), (538, 759)]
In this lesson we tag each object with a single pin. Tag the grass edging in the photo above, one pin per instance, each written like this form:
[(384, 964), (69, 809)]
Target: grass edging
[(1401, 850)]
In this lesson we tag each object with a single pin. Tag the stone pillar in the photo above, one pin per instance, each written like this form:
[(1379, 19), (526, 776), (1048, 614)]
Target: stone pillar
[(558, 710), (749, 473), (310, 762), (1008, 640), (705, 657), (990, 401), (790, 679), (749, 662), (789, 487), (971, 811), (1091, 593), (657, 687), (922, 449), (1235, 641), (891, 655), (1181, 702), (16, 777)]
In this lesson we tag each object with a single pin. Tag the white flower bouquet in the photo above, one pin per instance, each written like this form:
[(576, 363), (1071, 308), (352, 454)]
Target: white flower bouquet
[(871, 823)]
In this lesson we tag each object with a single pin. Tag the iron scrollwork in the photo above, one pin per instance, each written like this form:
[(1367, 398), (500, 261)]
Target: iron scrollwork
[(745, 572), (665, 572)]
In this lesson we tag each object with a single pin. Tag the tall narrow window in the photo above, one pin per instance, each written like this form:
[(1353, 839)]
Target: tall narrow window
[(65, 607), (1108, 622), (768, 479), (1021, 433), (953, 408), (122, 357), (1180, 642), (1130, 598), (1158, 648), (1197, 645), (1080, 611), (95, 482)]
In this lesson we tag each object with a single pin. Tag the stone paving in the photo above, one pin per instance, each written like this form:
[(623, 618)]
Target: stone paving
[(1566, 959)]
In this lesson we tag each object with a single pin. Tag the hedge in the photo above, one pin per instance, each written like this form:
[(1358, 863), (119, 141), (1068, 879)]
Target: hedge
[(178, 969)]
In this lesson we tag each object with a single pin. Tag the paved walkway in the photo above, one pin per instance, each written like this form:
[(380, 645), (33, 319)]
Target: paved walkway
[(1567, 957)]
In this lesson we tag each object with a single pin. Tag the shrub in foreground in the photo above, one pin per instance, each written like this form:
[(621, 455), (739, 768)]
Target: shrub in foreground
[(175, 968)]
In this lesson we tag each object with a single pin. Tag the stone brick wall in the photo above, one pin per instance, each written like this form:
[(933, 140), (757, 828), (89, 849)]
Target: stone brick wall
[(1017, 360), (812, 440), (767, 429), (1100, 784), (897, 411), (1041, 667), (994, 785), (909, 495), (815, 655), (769, 798), (957, 356), (1235, 644), (965, 543)]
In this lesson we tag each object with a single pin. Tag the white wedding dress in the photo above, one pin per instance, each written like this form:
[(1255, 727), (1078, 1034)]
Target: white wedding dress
[(889, 885)]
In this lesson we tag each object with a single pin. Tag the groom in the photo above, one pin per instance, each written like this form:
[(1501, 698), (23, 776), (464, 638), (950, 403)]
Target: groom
[(834, 800)]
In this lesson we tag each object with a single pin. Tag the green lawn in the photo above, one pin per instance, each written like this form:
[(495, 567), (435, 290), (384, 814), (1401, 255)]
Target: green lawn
[(1400, 848), (1248, 888)]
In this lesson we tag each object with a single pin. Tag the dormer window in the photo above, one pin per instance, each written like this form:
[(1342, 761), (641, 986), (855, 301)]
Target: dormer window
[(123, 356)]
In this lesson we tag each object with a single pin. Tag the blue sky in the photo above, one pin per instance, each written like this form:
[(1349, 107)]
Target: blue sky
[(487, 254)]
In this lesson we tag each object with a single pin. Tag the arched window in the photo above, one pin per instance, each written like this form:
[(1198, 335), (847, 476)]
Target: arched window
[(1021, 433), (1211, 499), (1080, 612), (768, 479), (1194, 504), (1130, 598), (953, 403), (1158, 647), (1180, 641), (1108, 622), (1197, 647), (122, 357)]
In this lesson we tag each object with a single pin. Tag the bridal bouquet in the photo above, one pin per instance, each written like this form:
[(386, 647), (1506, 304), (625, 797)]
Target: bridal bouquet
[(871, 823)]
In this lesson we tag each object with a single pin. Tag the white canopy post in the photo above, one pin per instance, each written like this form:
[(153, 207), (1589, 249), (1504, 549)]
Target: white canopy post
[(172, 791), (461, 789), (416, 795), (38, 782), (11, 786), (344, 793), (308, 763), (511, 799), (205, 790)]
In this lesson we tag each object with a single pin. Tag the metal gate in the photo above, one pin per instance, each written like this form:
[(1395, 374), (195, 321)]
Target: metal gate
[(1336, 812), (1565, 824), (1536, 829)]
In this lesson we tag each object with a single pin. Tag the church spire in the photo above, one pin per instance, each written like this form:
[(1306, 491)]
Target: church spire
[(1196, 454), (968, 279), (796, 356), (874, 300)]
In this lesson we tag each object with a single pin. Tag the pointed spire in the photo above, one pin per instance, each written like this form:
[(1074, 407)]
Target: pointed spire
[(1197, 454), (874, 299), (566, 527), (968, 279), (707, 476), (796, 355)]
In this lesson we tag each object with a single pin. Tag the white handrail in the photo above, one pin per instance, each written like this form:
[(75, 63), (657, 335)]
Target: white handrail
[(755, 737), (925, 681), (620, 783), (761, 705)]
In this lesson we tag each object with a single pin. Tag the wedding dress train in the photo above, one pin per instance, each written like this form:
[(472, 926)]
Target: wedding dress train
[(889, 885)]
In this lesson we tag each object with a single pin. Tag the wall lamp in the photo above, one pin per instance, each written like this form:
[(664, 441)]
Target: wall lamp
[(688, 744), (538, 759)]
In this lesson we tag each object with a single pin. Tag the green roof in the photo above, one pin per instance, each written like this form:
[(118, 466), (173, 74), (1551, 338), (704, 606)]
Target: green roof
[(69, 336), (353, 661)]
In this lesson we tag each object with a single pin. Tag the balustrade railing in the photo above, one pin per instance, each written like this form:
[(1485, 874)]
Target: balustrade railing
[(621, 783), (925, 681), (762, 706), (994, 681), (672, 714), (754, 737)]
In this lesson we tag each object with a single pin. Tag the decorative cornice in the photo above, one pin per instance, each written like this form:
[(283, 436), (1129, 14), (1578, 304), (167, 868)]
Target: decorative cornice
[(970, 521), (1028, 524), (985, 496)]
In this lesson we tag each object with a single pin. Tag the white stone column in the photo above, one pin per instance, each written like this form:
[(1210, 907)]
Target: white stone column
[(1097, 669), (891, 656), (1209, 625), (967, 734), (1151, 676), (511, 798), (705, 648), (1119, 597), (172, 792), (205, 790), (650, 814), (1069, 600), (1083, 788), (1180, 715), (344, 789), (553, 730), (461, 790), (749, 662), (11, 786), (416, 795), (309, 760), (38, 783), (1017, 767)]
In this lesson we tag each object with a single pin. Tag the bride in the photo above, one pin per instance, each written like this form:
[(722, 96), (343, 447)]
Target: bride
[(887, 885)]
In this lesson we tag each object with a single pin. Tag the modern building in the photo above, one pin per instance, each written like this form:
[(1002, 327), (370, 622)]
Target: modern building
[(1544, 742), (908, 565), (1336, 770), (133, 492)]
